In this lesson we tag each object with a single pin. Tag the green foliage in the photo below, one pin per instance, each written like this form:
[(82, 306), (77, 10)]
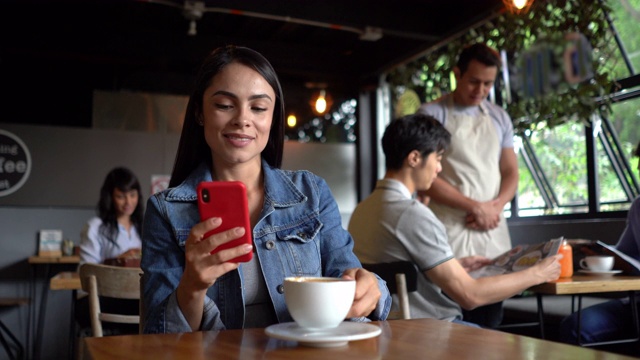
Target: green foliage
[(429, 76)]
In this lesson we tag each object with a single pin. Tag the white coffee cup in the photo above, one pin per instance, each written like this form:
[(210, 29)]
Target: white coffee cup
[(318, 302), (597, 263)]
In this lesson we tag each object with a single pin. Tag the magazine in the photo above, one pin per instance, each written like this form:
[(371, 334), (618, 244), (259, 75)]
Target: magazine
[(624, 262), (519, 258)]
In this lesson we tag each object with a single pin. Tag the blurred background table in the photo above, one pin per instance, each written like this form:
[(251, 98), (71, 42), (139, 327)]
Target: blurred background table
[(65, 280), (579, 285)]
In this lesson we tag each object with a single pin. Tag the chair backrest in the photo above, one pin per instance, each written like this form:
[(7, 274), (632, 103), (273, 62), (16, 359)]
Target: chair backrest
[(401, 278), (111, 281)]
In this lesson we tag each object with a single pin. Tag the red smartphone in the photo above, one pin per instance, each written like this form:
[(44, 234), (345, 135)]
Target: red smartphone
[(228, 201)]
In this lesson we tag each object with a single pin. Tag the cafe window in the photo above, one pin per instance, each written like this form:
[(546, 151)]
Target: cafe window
[(577, 167), (625, 15)]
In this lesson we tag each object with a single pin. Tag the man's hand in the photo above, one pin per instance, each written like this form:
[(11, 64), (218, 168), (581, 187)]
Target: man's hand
[(485, 216)]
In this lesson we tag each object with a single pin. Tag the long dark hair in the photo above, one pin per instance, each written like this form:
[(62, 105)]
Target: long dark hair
[(124, 180), (193, 148)]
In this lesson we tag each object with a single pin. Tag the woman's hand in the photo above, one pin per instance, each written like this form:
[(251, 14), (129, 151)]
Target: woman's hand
[(131, 254), (202, 269), (367, 292)]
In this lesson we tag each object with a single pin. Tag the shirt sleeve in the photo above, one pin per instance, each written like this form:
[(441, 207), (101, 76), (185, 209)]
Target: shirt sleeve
[(427, 244), (435, 109), (503, 123), (90, 248), (175, 322)]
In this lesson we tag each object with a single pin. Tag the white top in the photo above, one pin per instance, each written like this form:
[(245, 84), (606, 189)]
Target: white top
[(501, 120), (95, 248)]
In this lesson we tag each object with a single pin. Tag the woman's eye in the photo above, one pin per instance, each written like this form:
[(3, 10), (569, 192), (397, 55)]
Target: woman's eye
[(258, 109), (223, 106)]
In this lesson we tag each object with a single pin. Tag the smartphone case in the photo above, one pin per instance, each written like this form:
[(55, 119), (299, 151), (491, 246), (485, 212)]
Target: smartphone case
[(228, 201)]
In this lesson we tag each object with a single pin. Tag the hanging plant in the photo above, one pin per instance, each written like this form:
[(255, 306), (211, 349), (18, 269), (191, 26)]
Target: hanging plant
[(546, 21)]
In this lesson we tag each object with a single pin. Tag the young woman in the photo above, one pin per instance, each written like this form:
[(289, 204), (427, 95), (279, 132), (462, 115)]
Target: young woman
[(115, 232), (234, 130)]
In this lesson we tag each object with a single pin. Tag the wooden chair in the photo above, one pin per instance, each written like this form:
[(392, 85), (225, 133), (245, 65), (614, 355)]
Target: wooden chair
[(401, 278), (112, 281)]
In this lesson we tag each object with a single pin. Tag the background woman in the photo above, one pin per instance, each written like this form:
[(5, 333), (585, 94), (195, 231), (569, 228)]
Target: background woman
[(234, 130), (115, 232)]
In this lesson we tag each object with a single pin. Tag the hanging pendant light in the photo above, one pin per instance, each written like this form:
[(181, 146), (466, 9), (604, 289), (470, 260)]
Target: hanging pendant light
[(517, 6), (321, 102)]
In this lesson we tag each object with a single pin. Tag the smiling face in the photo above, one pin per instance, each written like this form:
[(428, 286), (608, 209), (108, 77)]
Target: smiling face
[(125, 202), (474, 85), (237, 112)]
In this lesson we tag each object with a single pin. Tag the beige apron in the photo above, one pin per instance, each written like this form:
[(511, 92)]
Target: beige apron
[(471, 164)]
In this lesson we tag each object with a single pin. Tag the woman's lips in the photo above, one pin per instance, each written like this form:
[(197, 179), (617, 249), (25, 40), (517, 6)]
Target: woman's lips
[(239, 139)]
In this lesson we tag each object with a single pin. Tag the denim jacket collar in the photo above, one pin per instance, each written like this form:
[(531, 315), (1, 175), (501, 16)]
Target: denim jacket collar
[(280, 191)]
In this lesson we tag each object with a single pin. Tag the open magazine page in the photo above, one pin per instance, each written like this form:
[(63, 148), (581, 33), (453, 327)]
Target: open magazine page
[(519, 258)]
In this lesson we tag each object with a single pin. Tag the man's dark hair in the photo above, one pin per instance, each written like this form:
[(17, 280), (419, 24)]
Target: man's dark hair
[(479, 52), (413, 132)]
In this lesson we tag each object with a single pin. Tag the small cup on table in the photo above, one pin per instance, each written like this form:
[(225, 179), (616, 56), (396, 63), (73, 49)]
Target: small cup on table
[(597, 263), (318, 302)]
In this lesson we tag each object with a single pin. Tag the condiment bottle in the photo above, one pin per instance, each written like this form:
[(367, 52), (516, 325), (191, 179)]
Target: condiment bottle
[(567, 260)]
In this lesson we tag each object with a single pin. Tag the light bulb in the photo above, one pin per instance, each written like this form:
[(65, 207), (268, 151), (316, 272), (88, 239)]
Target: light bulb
[(193, 31), (292, 121), (519, 4), (321, 103)]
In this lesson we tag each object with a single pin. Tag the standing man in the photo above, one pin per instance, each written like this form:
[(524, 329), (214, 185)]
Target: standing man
[(390, 225), (480, 170)]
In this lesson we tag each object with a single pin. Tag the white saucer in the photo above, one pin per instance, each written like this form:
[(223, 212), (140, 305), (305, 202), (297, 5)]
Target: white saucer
[(338, 336), (589, 272)]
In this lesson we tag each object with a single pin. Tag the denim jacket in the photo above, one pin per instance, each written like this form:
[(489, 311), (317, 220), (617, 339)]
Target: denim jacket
[(299, 233)]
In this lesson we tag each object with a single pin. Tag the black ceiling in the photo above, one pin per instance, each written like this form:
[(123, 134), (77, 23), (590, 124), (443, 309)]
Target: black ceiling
[(144, 45)]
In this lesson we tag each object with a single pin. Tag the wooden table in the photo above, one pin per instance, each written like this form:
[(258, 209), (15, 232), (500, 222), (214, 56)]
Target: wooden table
[(589, 284), (72, 259), (66, 280), (579, 285), (400, 339)]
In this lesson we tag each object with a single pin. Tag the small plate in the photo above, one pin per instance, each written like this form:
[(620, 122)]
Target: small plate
[(589, 272), (338, 336)]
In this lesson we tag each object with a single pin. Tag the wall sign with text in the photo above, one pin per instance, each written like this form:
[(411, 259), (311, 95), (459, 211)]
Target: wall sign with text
[(15, 163)]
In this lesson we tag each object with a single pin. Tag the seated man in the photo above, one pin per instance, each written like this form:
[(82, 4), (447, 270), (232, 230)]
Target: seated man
[(390, 225), (611, 320)]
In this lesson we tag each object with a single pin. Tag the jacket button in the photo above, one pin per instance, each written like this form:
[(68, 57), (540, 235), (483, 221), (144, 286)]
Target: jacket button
[(302, 235), (280, 289), (270, 244)]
